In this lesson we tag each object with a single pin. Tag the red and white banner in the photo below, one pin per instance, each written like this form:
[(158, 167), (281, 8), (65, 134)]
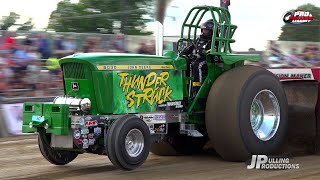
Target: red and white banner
[(293, 74), (290, 74)]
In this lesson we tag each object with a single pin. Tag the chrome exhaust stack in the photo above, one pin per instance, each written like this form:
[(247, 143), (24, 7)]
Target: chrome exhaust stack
[(159, 39), (76, 104)]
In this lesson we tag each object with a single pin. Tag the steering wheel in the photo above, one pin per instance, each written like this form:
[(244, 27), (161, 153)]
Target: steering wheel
[(181, 47)]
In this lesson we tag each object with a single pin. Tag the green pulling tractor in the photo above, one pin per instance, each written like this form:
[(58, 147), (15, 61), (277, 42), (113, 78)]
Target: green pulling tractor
[(127, 105)]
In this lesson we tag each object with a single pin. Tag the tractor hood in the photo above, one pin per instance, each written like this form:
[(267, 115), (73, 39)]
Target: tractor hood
[(123, 83), (119, 61)]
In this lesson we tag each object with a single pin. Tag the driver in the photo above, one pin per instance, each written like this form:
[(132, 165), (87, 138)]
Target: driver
[(198, 53)]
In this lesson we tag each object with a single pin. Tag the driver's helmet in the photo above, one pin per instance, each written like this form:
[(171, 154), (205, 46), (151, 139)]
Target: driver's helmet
[(207, 30)]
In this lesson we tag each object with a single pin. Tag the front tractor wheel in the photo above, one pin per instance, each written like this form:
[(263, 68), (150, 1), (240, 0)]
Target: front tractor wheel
[(246, 113), (54, 156), (128, 142)]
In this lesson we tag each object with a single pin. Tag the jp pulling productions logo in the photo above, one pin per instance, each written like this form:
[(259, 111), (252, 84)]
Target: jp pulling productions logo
[(297, 17), (276, 163)]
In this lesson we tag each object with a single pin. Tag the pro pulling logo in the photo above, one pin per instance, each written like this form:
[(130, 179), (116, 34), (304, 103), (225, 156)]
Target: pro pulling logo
[(297, 17)]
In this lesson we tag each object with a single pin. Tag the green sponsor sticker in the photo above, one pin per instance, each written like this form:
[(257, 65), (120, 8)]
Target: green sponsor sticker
[(36, 118), (84, 131)]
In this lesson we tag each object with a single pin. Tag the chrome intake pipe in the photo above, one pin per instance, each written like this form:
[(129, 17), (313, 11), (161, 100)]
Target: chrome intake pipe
[(76, 104)]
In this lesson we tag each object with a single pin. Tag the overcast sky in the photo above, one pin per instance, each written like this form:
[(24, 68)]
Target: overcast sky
[(257, 20)]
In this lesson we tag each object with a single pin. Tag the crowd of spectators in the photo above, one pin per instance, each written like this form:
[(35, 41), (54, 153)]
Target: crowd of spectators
[(309, 55), (29, 65)]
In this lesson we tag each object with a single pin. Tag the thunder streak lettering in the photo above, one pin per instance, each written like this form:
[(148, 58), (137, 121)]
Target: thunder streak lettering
[(151, 88)]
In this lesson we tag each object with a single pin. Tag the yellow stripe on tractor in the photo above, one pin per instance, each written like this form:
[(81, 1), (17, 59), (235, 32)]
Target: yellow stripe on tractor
[(133, 67)]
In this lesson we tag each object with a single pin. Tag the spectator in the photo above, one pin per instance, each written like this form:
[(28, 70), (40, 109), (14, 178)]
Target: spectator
[(17, 82), (44, 47), (21, 52), (33, 54), (88, 45), (293, 57), (1, 37), (97, 45), (119, 42), (70, 45), (9, 58), (275, 50), (7, 71), (143, 49), (10, 42), (35, 41), (53, 66), (3, 83), (21, 57), (276, 58), (58, 42), (28, 41), (152, 48), (33, 72), (310, 53)]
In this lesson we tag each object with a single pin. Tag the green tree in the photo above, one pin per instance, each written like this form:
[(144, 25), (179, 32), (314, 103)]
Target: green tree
[(97, 15), (7, 21), (303, 32)]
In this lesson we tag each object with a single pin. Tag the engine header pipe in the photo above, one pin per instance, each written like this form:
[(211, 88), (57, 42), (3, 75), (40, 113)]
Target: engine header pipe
[(159, 39)]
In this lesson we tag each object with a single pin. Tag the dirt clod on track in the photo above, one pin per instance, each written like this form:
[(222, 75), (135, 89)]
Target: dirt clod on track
[(20, 159)]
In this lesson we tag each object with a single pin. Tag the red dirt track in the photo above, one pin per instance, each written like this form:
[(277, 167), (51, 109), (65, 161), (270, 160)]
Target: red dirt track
[(20, 159)]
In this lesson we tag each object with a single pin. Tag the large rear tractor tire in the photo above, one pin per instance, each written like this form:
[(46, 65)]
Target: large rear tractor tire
[(246, 113), (128, 142), (56, 157)]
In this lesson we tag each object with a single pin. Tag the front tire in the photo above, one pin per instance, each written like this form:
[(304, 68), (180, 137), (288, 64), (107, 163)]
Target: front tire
[(128, 142), (246, 113), (54, 156)]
